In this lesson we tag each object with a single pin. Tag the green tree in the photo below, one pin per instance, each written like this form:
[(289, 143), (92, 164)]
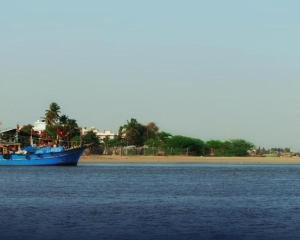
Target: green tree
[(63, 119), (133, 133), (152, 131), (153, 143), (26, 130), (164, 137), (69, 126), (60, 127), (240, 147), (236, 147), (217, 147), (52, 119), (52, 114), (116, 142), (76, 141), (193, 146), (25, 133), (91, 139)]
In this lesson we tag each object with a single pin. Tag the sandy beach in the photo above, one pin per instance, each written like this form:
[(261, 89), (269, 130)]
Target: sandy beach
[(102, 159)]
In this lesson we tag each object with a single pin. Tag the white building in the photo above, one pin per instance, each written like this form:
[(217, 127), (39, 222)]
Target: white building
[(100, 134), (106, 134), (39, 126), (86, 130)]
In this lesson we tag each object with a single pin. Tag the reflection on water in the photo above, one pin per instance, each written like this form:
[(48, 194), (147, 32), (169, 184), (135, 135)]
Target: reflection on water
[(150, 202)]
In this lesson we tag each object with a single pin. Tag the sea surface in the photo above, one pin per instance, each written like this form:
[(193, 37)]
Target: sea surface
[(171, 201)]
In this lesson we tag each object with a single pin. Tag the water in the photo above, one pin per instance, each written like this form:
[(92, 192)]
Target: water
[(150, 202)]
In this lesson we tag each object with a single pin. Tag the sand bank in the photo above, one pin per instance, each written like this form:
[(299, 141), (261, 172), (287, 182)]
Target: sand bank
[(101, 159)]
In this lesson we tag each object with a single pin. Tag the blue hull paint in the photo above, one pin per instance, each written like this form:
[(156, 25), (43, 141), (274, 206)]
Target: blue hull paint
[(64, 158)]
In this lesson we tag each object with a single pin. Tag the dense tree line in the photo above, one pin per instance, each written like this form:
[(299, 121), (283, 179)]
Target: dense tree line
[(64, 130), (134, 133), (236, 147)]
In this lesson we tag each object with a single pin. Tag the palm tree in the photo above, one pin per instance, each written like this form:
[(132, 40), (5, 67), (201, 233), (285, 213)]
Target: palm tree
[(63, 119), (68, 128), (52, 114)]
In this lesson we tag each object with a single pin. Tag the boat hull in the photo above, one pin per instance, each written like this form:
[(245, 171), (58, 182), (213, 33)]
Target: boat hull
[(64, 158)]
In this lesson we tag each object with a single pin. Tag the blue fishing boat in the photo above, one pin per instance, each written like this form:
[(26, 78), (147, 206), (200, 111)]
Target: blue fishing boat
[(47, 156)]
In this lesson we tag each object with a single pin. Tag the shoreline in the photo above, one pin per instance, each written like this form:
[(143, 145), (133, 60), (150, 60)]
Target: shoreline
[(111, 159)]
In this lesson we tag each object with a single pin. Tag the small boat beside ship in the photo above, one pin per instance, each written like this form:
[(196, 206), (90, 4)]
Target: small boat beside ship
[(13, 155)]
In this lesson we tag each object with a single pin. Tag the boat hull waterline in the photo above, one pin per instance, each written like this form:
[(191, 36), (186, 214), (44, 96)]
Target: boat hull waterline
[(63, 158)]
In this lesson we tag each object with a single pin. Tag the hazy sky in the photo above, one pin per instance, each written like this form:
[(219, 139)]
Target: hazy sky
[(208, 69)]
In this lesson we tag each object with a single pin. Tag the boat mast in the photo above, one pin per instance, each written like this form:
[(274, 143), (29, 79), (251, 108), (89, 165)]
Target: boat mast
[(17, 134), (31, 137)]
